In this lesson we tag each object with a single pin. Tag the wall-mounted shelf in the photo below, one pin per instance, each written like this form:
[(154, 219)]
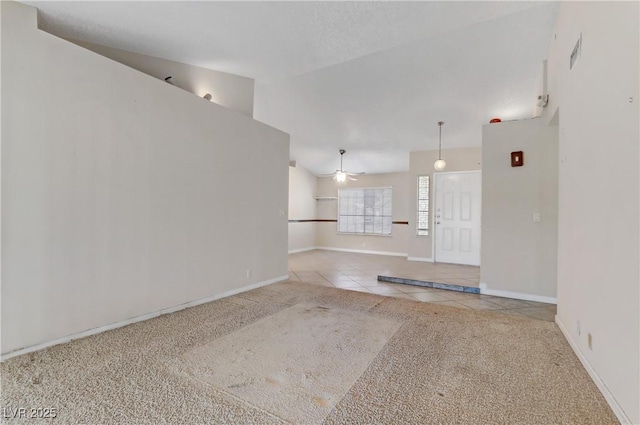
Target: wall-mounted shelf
[(325, 198)]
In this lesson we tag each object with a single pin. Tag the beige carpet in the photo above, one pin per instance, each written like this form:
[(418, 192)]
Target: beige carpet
[(260, 357)]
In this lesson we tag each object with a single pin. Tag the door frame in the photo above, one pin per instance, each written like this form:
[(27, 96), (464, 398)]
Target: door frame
[(433, 216)]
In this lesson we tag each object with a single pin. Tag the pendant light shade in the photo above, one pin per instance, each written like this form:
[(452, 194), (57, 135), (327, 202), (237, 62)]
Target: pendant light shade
[(440, 163)]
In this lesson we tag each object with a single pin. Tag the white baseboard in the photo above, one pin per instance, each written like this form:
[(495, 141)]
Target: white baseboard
[(295, 251), (147, 316), (422, 259), (617, 409), (362, 251), (485, 290)]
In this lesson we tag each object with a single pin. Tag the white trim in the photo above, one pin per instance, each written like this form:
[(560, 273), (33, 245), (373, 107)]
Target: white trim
[(423, 259), (295, 251), (611, 400), (484, 290), (362, 251), (147, 316)]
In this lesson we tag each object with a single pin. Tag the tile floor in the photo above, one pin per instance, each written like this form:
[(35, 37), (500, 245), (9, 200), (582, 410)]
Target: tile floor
[(359, 272)]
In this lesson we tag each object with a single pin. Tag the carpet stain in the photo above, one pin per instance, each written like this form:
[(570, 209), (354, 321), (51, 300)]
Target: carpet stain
[(273, 381), (321, 401), (243, 384), (325, 351)]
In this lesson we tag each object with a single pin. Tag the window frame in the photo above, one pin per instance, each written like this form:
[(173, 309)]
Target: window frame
[(420, 197), (388, 218)]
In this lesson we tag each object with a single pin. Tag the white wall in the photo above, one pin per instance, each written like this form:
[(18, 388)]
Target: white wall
[(231, 91), (518, 255), (121, 194), (598, 212), (302, 206), (421, 164), (327, 233)]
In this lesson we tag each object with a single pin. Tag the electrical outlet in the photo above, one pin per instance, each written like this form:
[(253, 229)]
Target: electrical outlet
[(578, 328), (590, 341), (248, 274)]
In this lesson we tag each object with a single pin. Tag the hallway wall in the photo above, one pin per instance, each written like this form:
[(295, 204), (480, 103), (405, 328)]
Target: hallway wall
[(123, 195)]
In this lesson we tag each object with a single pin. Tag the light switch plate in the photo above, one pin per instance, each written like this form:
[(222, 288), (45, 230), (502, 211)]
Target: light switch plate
[(536, 217)]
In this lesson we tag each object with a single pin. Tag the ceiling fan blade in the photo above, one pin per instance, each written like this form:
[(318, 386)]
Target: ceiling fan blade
[(327, 175), (354, 174), (352, 179)]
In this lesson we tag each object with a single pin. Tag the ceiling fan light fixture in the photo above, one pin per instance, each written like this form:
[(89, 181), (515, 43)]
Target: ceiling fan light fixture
[(341, 175), (440, 163)]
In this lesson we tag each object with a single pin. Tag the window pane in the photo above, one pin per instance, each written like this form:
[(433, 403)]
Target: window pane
[(377, 225), (368, 224), (351, 227), (386, 225), (358, 200)]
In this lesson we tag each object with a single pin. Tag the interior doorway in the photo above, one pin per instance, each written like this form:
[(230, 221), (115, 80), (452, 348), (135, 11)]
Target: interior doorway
[(458, 198)]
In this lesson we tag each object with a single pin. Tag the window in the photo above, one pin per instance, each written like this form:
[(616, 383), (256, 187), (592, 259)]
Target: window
[(423, 206), (365, 211)]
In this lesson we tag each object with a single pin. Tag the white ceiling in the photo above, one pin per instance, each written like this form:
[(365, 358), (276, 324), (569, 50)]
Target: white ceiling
[(370, 77)]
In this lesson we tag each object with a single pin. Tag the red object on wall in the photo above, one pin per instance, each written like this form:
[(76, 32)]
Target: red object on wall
[(517, 159), (495, 120)]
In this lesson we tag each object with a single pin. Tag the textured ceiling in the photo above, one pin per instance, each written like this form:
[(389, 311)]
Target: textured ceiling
[(371, 77)]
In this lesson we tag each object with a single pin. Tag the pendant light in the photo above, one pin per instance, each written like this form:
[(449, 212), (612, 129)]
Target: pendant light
[(440, 163)]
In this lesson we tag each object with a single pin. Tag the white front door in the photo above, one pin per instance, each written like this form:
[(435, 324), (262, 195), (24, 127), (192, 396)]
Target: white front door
[(457, 217)]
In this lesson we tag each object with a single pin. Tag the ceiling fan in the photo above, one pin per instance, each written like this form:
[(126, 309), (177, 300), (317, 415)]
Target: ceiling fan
[(340, 175)]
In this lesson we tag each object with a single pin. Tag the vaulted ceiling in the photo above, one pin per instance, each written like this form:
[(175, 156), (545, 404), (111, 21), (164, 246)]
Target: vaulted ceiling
[(371, 77)]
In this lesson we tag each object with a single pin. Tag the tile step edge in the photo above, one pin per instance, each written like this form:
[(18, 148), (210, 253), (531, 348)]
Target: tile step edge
[(427, 284)]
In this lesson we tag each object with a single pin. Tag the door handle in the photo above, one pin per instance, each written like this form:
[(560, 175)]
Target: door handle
[(437, 222)]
